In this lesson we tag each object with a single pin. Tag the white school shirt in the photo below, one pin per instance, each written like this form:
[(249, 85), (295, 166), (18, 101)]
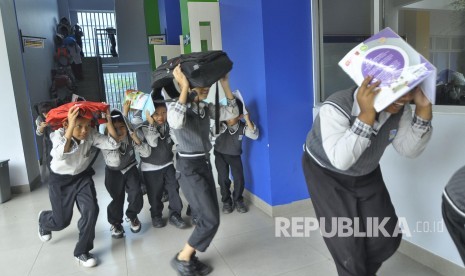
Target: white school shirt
[(78, 158), (337, 136)]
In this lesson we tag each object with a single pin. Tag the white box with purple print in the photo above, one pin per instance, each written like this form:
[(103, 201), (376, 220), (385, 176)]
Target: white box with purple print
[(389, 58)]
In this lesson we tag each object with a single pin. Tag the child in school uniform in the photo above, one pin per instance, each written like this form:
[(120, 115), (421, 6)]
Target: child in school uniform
[(228, 150), (158, 169), (190, 122), (71, 181), (343, 175), (122, 177), (42, 129)]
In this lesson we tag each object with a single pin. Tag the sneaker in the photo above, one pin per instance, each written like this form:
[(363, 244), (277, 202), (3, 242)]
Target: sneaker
[(176, 220), (135, 224), (164, 197), (241, 207), (158, 222), (86, 260), (227, 208), (117, 231), (200, 268), (184, 268), (44, 235)]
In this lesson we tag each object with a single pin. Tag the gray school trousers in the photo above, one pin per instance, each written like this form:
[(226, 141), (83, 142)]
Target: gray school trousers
[(362, 199), (195, 177), (64, 191), (157, 181), (118, 184), (455, 223), (222, 163)]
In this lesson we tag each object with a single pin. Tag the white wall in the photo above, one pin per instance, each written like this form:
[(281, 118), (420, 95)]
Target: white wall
[(447, 23), (416, 185), (168, 51), (207, 12)]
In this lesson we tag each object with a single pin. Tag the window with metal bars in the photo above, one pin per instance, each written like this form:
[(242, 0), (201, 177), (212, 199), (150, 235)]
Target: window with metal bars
[(90, 22), (116, 85)]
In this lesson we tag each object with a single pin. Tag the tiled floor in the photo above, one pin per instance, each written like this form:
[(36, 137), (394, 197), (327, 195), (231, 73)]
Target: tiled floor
[(245, 245)]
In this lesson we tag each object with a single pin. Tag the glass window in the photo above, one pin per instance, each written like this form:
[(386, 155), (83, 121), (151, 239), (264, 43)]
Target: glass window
[(95, 24), (435, 28), (339, 33), (116, 85)]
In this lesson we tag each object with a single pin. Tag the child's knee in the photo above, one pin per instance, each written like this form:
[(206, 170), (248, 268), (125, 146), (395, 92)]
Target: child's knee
[(90, 210)]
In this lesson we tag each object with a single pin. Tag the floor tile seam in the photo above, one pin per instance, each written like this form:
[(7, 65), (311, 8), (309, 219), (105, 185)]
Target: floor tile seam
[(35, 259), (320, 251), (224, 260), (126, 256)]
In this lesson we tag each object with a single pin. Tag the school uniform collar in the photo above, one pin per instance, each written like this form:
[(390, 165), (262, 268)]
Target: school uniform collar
[(162, 130), (233, 129), (125, 140), (76, 142), (124, 145), (196, 108)]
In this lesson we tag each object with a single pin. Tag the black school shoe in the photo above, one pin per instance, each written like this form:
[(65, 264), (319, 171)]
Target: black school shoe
[(117, 231), (199, 267), (241, 207), (194, 267), (158, 222), (176, 220), (86, 260), (228, 207), (183, 268)]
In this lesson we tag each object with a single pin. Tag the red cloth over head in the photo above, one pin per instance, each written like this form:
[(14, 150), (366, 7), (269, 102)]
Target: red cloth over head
[(95, 111)]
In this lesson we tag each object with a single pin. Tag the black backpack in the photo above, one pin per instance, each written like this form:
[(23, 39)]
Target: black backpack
[(202, 69)]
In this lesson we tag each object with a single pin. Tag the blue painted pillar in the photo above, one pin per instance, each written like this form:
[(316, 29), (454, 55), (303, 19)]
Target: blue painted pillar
[(170, 20), (269, 42)]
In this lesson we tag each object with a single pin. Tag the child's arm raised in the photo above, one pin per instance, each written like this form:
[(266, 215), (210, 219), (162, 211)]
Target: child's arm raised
[(41, 125), (126, 108), (177, 111), (73, 113), (251, 129), (230, 110), (150, 133), (62, 138), (142, 148), (105, 142), (111, 129)]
